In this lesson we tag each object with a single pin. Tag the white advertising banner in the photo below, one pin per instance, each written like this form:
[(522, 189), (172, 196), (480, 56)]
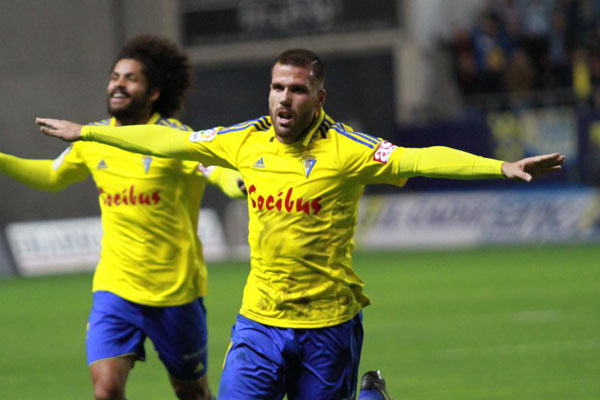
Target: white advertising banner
[(69, 245), (431, 220), (41, 247), (463, 219)]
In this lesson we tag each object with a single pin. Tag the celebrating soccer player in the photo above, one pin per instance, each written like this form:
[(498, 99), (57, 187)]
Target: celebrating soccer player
[(299, 330), (151, 276)]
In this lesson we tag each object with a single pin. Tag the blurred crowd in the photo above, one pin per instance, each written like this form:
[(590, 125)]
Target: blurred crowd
[(519, 46)]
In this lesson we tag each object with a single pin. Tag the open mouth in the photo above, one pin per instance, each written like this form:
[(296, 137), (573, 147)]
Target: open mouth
[(284, 118), (118, 96)]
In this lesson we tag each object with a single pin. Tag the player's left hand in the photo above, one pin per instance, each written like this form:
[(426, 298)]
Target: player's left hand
[(530, 167), (65, 130)]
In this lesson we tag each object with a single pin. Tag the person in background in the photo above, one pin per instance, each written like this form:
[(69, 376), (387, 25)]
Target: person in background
[(151, 277)]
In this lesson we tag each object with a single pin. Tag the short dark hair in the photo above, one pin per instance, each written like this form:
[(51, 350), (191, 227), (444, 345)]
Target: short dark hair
[(305, 59), (166, 68)]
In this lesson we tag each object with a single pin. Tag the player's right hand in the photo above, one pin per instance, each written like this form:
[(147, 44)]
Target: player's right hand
[(65, 130), (530, 167)]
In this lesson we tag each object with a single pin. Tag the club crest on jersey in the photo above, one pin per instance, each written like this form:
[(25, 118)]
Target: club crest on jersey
[(146, 160), (308, 162), (384, 151), (203, 136)]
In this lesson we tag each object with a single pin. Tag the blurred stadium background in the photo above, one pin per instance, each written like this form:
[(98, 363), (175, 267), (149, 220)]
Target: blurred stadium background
[(481, 290)]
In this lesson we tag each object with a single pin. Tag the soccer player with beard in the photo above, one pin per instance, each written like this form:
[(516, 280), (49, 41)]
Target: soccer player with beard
[(299, 330), (151, 276)]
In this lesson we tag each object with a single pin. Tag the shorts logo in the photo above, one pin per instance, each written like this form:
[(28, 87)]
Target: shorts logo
[(203, 136), (384, 151)]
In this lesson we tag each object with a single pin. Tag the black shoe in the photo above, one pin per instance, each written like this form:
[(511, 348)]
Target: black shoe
[(372, 380)]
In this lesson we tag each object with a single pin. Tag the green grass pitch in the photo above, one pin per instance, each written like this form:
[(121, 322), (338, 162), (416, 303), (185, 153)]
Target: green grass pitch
[(494, 323)]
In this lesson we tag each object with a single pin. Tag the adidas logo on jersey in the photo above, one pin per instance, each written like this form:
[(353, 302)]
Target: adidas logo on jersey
[(260, 163), (102, 165)]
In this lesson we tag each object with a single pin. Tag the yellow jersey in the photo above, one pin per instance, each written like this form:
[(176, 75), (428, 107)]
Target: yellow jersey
[(303, 204), (150, 253)]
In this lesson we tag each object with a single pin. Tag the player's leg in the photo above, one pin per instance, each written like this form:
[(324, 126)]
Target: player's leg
[(195, 389), (372, 387), (254, 366), (329, 362), (109, 377), (113, 343), (179, 335)]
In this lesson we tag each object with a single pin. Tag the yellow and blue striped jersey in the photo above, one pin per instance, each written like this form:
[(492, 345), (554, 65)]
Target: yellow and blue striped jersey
[(303, 204)]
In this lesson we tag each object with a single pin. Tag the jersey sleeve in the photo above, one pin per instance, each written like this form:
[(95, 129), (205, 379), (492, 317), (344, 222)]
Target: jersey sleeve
[(379, 161), (445, 162), (48, 175), (228, 180), (206, 146), (367, 158)]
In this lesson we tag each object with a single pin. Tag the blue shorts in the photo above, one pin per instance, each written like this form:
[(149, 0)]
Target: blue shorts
[(266, 362), (118, 327)]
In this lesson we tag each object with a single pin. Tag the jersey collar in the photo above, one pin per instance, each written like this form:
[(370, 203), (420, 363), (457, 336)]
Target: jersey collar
[(305, 140), (314, 128), (153, 120)]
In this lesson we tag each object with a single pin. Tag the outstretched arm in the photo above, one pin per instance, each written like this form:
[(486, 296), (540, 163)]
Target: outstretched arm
[(154, 140), (445, 162), (134, 138), (47, 175), (62, 129)]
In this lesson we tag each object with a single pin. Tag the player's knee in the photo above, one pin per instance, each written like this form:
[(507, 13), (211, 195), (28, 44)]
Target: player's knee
[(109, 377), (107, 390)]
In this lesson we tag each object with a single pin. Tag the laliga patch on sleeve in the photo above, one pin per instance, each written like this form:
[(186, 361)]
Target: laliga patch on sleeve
[(203, 136), (61, 158), (384, 151)]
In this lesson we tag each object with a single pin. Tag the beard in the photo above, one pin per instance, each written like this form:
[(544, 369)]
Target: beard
[(133, 111)]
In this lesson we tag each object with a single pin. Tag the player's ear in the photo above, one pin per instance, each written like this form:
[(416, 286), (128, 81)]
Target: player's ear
[(322, 95), (154, 94)]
